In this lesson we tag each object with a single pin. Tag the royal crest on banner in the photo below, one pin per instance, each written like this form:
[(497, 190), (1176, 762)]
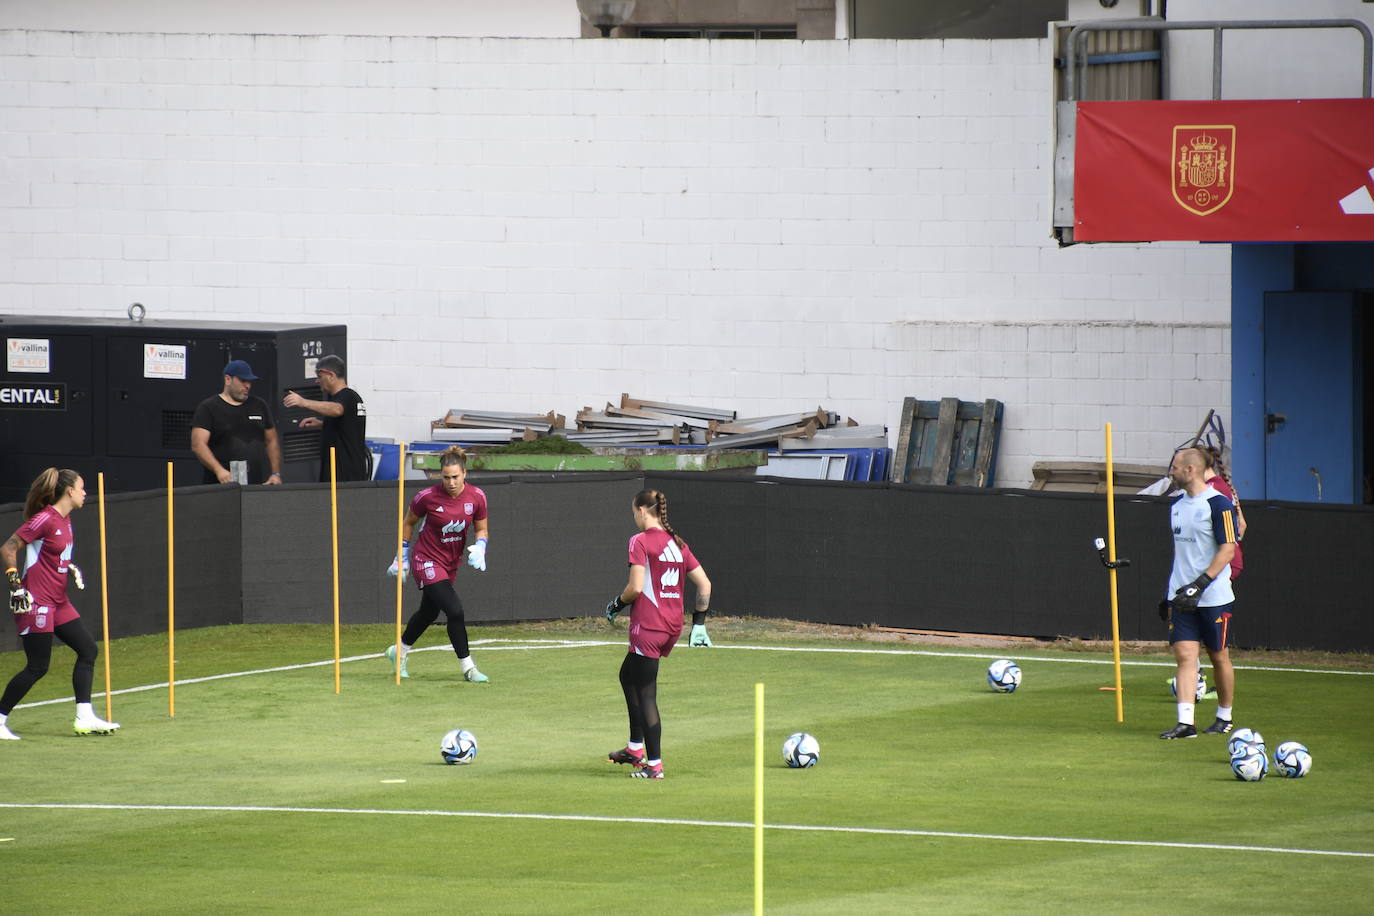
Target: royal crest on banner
[(1205, 166)]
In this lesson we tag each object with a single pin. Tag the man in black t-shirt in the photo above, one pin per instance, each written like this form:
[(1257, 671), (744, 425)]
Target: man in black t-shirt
[(343, 418), (235, 426)]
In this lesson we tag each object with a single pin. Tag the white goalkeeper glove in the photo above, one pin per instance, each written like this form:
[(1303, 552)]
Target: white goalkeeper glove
[(699, 637), (75, 572), (400, 566), (477, 555), (21, 602)]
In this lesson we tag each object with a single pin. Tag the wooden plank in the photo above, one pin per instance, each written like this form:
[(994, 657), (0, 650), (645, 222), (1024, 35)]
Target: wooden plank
[(900, 470), (989, 434), (675, 419), (759, 424), (769, 435), (944, 442), (703, 413)]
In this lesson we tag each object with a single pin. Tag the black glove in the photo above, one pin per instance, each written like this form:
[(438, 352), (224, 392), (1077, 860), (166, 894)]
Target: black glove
[(1187, 597), (1166, 610), (615, 606)]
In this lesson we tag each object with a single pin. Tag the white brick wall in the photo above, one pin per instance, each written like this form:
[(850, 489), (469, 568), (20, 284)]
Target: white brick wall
[(533, 224)]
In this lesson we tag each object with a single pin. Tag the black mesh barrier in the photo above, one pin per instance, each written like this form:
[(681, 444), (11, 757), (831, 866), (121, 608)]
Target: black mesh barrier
[(208, 560), (1011, 562)]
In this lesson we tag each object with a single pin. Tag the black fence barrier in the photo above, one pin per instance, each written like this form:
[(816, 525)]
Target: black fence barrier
[(1012, 562)]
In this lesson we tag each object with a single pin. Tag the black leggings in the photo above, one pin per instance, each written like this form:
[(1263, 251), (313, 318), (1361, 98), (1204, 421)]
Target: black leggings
[(38, 651), (639, 680), (441, 596)]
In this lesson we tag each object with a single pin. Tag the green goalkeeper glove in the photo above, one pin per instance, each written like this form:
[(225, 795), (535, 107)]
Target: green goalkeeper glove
[(699, 637)]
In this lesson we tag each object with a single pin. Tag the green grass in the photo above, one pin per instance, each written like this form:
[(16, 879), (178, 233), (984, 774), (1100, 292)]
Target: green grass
[(909, 742)]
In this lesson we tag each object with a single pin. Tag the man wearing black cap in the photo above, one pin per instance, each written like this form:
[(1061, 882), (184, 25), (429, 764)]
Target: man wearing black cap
[(343, 419), (233, 427)]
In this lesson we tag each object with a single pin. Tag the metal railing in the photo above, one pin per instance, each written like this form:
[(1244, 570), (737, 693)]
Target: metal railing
[(1074, 60)]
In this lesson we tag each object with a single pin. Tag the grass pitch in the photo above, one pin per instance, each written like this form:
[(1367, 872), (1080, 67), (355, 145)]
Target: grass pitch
[(268, 792)]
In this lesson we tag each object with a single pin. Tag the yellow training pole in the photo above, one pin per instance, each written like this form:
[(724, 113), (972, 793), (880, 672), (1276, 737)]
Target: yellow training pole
[(334, 527), (1111, 570), (758, 799), (400, 524), (171, 606), (104, 597)]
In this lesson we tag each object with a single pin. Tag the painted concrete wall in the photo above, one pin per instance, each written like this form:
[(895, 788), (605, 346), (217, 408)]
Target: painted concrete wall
[(531, 224)]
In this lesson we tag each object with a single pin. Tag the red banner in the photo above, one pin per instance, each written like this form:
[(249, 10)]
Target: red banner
[(1283, 170)]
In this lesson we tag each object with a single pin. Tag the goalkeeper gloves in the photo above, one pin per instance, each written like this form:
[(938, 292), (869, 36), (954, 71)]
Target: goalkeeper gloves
[(477, 555), (615, 606), (75, 572), (1187, 597), (21, 602), (1165, 610), (401, 565), (699, 637)]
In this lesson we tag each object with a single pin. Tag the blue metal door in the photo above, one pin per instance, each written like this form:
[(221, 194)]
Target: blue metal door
[(1310, 393)]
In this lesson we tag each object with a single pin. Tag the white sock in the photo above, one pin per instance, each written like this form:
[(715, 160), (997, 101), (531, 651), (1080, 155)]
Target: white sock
[(84, 711), (467, 663), (654, 763), (405, 650), (1185, 713), (630, 745), (1224, 712), (3, 718)]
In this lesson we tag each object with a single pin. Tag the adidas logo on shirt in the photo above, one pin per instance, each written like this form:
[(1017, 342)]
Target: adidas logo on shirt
[(671, 554)]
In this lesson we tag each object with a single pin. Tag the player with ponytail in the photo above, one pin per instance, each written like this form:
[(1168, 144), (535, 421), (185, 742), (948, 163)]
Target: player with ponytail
[(1219, 479), (38, 597), (659, 560), (448, 512)]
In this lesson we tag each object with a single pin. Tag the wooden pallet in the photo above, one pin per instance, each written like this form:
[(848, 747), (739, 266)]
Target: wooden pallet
[(1091, 476), (948, 442)]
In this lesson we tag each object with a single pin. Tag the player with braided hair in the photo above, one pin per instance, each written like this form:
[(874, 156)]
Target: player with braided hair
[(1219, 479), (659, 560), (38, 597)]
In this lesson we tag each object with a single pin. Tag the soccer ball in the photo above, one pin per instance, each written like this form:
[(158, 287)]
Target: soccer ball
[(801, 750), (1004, 675), (1242, 737), (1201, 686), (1291, 759), (1250, 764), (458, 746)]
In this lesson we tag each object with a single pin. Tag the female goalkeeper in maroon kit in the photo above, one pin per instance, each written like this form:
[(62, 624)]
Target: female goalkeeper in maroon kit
[(38, 597), (450, 510), (659, 562)]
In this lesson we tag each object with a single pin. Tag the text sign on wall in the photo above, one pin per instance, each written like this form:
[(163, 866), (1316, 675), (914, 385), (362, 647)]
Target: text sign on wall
[(15, 396), (164, 361), (27, 354), (1244, 171)]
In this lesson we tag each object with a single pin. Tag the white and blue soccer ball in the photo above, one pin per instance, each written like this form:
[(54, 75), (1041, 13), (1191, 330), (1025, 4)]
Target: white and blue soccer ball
[(801, 750), (459, 746), (1242, 737), (1201, 686), (1250, 764), (1292, 759), (1004, 675)]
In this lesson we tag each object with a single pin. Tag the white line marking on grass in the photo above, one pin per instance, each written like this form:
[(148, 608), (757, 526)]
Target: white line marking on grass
[(532, 644), (685, 822), (1018, 657), (539, 644)]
